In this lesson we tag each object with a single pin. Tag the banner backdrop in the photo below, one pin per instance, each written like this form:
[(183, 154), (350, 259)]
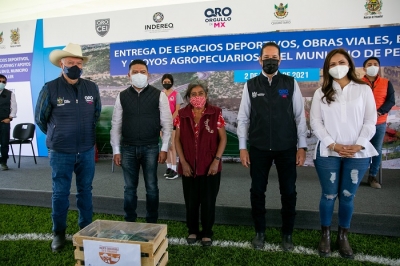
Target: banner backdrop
[(221, 17), (216, 41), (239, 52), (16, 55)]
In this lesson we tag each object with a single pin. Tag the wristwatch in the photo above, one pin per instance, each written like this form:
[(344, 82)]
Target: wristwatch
[(217, 158), (304, 148)]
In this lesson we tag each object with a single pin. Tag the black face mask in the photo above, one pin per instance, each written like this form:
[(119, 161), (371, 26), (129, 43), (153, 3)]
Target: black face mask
[(167, 86), (73, 72), (270, 66)]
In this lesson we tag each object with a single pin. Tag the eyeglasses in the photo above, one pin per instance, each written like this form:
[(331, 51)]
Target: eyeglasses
[(3, 81)]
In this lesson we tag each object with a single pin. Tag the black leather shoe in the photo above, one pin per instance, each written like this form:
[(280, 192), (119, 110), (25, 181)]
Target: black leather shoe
[(287, 243), (58, 242), (258, 241)]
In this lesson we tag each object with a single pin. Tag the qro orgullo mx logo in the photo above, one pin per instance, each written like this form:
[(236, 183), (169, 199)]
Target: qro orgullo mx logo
[(218, 17)]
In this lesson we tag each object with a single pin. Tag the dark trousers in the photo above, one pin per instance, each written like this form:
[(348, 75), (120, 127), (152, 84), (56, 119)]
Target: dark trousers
[(201, 191), (261, 162), (4, 140)]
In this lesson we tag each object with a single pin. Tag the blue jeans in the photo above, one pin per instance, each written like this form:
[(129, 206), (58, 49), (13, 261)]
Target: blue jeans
[(132, 158), (63, 165), (4, 139), (377, 141), (339, 177), (285, 162)]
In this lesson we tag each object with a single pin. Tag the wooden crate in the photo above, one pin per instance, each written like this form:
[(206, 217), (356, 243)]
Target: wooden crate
[(154, 252)]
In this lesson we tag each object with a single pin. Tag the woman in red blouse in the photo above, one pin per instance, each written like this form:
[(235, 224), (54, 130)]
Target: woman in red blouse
[(200, 141)]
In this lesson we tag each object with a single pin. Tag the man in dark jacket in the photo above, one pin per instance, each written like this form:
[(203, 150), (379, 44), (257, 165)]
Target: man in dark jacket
[(8, 111), (67, 110), (271, 117), (140, 112)]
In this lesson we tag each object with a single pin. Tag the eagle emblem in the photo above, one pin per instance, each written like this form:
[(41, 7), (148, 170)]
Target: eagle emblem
[(14, 36), (281, 11)]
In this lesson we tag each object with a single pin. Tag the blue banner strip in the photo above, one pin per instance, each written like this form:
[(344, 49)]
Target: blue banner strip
[(301, 74), (299, 50)]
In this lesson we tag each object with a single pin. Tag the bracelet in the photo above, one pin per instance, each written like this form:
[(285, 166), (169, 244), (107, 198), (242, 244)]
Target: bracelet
[(333, 147)]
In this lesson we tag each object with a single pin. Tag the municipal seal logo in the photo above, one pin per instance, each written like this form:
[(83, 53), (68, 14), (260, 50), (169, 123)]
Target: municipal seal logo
[(373, 7), (281, 11)]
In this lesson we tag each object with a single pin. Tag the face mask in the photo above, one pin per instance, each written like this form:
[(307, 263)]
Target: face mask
[(270, 66), (2, 86), (198, 101), (338, 72), (73, 72), (167, 86), (372, 71), (139, 80)]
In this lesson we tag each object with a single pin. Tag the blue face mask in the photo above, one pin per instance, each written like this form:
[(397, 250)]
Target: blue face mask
[(73, 72), (2, 86)]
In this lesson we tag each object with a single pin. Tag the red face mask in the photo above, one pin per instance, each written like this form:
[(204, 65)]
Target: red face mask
[(198, 101)]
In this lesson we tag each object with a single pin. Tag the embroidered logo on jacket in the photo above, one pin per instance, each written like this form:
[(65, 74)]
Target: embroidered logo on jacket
[(254, 94), (89, 99), (207, 126), (284, 93), (60, 101)]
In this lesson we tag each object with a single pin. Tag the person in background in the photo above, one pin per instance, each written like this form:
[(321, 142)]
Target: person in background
[(8, 111), (200, 142), (140, 112), (175, 100), (384, 98), (271, 116), (343, 117), (67, 110)]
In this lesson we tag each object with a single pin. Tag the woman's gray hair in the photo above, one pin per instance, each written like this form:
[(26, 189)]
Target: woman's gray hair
[(193, 84)]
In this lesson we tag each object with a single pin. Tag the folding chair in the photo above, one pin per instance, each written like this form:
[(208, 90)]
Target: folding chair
[(23, 134)]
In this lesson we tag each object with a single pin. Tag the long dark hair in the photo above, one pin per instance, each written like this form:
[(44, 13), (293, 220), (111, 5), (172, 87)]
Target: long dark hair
[(168, 76), (327, 87)]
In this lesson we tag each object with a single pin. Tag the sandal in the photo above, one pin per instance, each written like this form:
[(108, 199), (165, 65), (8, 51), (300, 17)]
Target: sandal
[(191, 239), (206, 241)]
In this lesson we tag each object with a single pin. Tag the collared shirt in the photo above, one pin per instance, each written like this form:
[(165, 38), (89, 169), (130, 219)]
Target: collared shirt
[(165, 121), (13, 111), (349, 120), (298, 111)]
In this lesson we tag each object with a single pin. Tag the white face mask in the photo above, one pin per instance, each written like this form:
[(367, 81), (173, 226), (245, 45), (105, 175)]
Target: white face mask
[(2, 86), (339, 72), (372, 71), (139, 80)]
